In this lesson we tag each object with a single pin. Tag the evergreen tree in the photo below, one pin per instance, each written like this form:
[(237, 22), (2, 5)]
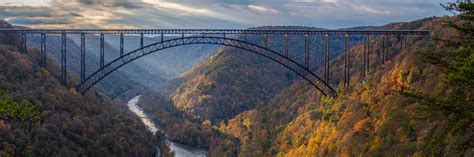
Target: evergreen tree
[(452, 111), (22, 113)]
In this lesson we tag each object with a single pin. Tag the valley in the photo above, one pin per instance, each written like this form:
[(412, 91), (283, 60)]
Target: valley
[(403, 88)]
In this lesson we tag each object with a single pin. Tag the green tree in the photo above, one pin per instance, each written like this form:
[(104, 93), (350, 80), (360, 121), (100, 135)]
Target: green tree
[(452, 111), (23, 112)]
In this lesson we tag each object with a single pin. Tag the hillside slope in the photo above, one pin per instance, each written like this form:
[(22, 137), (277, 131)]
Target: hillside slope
[(365, 120), (66, 123)]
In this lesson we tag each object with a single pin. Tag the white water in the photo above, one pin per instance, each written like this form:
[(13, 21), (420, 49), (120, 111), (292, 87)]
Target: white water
[(178, 149)]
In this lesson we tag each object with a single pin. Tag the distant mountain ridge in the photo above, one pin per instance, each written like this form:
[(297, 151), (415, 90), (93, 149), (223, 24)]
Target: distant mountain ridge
[(170, 63)]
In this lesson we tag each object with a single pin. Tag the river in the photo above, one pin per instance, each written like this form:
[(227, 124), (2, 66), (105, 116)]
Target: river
[(178, 149)]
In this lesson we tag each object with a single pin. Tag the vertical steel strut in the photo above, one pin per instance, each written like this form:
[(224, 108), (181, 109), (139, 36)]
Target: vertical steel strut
[(265, 40), (286, 45), (43, 50), (306, 51), (326, 60), (121, 44), (388, 47), (346, 61), (408, 43), (245, 37), (401, 43), (366, 56), (23, 41), (83, 57), (101, 51), (162, 38), (317, 43), (63, 60), (383, 49), (141, 40)]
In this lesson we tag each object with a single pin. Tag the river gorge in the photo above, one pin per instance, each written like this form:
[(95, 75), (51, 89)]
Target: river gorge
[(179, 150)]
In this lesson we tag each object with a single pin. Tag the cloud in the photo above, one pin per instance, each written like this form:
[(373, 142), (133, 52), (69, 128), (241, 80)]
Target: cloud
[(370, 10), (262, 9), (180, 8), (315, 1), (103, 3), (212, 13), (25, 11)]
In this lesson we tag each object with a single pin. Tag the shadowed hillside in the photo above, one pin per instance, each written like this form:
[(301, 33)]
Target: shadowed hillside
[(40, 117)]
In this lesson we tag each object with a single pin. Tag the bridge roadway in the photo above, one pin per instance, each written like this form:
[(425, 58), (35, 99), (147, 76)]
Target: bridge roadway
[(218, 31)]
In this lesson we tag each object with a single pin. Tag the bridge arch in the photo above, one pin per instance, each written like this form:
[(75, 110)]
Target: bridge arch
[(299, 69)]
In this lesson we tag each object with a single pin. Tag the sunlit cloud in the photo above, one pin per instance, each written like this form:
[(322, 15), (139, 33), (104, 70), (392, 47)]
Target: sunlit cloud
[(180, 8), (262, 9)]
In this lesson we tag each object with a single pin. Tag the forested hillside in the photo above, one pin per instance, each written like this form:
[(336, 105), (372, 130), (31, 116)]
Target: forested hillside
[(384, 111), (368, 118), (39, 117)]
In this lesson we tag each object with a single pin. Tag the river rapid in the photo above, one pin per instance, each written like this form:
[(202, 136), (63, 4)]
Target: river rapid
[(178, 149)]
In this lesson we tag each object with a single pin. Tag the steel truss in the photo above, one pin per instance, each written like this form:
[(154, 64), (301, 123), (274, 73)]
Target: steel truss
[(208, 36), (299, 69)]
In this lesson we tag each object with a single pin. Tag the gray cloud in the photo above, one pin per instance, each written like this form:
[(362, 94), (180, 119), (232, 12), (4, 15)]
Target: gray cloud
[(25, 11), (102, 3), (39, 21)]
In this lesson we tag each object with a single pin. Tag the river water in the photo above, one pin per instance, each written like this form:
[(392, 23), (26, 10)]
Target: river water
[(178, 149)]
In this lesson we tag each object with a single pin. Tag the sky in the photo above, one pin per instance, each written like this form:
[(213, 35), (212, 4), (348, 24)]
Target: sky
[(232, 14)]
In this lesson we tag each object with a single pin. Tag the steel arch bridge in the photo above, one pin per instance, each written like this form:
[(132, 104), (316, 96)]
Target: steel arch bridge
[(216, 37)]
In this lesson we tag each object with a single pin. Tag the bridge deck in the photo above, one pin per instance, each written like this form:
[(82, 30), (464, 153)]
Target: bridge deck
[(219, 31)]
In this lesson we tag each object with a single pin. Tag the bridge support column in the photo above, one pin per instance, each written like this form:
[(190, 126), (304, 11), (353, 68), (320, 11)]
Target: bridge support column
[(141, 39), (162, 38), (245, 37), (43, 50), (83, 57), (63, 60), (346, 61), (366, 56), (401, 42), (383, 49), (286, 45), (102, 50), (265, 40), (23, 42), (326, 60), (306, 51), (121, 44)]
